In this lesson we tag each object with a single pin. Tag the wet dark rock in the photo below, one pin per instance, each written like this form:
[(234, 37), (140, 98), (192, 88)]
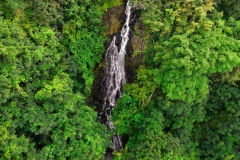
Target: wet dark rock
[(108, 155)]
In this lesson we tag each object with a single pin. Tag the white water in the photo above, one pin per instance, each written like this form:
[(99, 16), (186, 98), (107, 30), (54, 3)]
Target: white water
[(114, 77)]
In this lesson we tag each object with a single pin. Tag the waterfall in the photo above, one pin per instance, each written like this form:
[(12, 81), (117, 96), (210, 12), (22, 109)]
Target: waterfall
[(114, 78)]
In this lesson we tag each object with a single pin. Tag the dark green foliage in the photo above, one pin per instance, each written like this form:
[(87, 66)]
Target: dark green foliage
[(70, 125), (229, 7), (190, 49), (235, 27), (186, 62), (147, 136), (84, 40), (48, 50), (87, 50), (186, 93), (218, 134), (12, 146), (146, 130), (37, 101), (184, 103)]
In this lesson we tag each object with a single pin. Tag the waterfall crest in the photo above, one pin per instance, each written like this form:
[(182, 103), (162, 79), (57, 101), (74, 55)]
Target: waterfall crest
[(114, 77)]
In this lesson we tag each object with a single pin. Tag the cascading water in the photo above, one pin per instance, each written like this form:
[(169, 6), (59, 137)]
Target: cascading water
[(114, 78)]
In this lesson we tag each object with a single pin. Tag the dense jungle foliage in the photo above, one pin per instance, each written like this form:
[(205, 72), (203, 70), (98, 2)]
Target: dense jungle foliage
[(184, 104)]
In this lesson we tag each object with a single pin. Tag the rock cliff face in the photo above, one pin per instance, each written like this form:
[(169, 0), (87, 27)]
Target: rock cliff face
[(136, 48), (113, 20)]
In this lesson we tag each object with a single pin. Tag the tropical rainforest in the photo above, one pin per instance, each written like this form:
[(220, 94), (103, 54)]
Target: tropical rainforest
[(183, 104)]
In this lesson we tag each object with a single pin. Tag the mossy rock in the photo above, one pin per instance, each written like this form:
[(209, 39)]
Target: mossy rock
[(137, 39), (115, 26), (113, 19)]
